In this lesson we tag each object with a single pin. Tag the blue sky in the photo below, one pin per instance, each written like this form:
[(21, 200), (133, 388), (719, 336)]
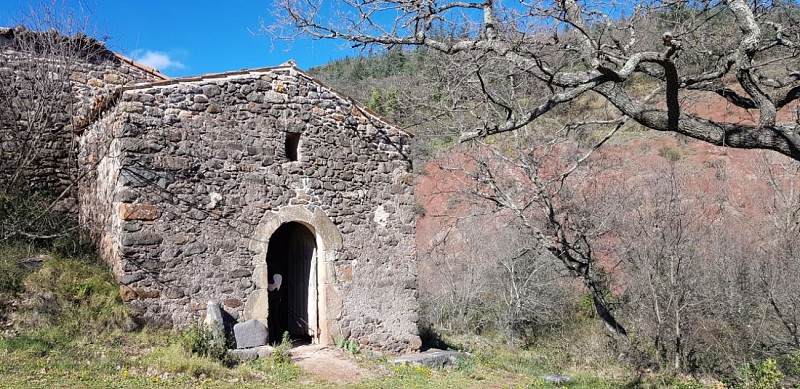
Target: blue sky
[(183, 38)]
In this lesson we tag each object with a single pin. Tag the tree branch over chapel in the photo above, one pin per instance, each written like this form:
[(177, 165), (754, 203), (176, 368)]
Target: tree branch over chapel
[(527, 58)]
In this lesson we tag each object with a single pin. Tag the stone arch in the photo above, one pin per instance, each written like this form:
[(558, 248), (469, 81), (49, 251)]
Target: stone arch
[(328, 244)]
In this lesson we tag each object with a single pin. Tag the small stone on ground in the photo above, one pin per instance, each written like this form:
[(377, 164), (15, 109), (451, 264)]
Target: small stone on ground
[(249, 354), (432, 358), (557, 379)]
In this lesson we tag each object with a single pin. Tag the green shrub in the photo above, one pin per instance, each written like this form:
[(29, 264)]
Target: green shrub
[(206, 342), (76, 295), (282, 352), (585, 305), (671, 154), (277, 369), (12, 273), (177, 359), (791, 364), (382, 102), (763, 375), (442, 142), (34, 345), (340, 341), (350, 346)]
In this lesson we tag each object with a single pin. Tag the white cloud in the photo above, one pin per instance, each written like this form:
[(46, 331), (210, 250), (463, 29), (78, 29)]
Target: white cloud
[(156, 59)]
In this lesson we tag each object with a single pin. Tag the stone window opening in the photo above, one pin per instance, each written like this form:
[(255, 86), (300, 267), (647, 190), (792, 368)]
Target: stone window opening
[(292, 146)]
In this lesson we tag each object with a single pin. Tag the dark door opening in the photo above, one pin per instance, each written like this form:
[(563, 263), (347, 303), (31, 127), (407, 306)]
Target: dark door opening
[(292, 146), (292, 307)]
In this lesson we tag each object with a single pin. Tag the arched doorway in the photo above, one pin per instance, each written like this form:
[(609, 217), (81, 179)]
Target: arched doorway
[(292, 253), (329, 242)]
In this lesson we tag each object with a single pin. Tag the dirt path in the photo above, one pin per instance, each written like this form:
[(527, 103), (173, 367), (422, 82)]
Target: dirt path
[(329, 364)]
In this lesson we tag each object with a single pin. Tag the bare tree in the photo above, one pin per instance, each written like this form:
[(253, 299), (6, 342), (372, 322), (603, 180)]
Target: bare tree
[(452, 278), (476, 282), (525, 58), (677, 269), (42, 111), (562, 204), (709, 285), (662, 240), (40, 106), (530, 291), (779, 270)]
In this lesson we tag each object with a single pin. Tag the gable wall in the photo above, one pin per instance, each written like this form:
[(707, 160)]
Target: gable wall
[(201, 163)]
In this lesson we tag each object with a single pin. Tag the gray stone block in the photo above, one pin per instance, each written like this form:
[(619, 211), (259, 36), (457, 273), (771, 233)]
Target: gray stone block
[(214, 315), (251, 333), (141, 239), (557, 379), (214, 320), (248, 354), (432, 358), (131, 278)]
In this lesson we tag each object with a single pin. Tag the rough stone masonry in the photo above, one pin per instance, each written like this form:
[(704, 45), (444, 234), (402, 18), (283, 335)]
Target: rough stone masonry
[(49, 87), (202, 187)]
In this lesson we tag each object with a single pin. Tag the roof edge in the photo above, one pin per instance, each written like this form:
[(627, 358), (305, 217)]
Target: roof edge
[(12, 33), (289, 65), (145, 68), (208, 76), (353, 101)]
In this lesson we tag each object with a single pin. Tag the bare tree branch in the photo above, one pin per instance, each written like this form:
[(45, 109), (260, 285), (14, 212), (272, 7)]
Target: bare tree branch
[(569, 48)]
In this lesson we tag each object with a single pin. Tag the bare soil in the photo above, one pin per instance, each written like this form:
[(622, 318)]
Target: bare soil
[(329, 365)]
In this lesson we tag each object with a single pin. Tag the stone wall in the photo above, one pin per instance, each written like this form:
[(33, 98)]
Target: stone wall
[(193, 176), (50, 88)]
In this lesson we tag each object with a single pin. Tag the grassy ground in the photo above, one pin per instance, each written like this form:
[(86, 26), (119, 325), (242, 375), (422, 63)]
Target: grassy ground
[(142, 360), (45, 359), (70, 330)]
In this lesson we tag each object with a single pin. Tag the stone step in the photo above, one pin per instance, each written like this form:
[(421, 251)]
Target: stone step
[(432, 358)]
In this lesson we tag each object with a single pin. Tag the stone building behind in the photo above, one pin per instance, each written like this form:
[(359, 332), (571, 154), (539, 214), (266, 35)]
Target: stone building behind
[(50, 88), (206, 188)]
